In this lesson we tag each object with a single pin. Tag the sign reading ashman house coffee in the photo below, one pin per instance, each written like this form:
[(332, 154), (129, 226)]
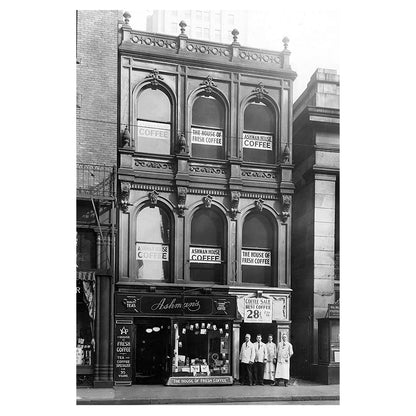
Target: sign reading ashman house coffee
[(204, 255), (152, 252), (153, 137), (127, 304), (206, 137), (258, 141)]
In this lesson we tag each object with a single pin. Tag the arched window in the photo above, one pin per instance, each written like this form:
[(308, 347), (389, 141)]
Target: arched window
[(206, 251), (258, 258), (153, 248), (154, 122), (207, 131), (259, 136)]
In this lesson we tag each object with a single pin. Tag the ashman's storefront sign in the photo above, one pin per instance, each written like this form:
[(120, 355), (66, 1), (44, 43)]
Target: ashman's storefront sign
[(258, 310), (256, 258), (152, 252), (204, 255), (206, 137), (258, 141), (175, 305)]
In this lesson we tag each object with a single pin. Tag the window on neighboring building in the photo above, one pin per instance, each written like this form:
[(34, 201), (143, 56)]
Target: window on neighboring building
[(154, 122), (217, 36), (206, 33), (153, 247), (206, 251), (217, 19), (258, 259), (198, 32), (206, 16), (86, 249), (207, 132), (258, 142), (174, 27)]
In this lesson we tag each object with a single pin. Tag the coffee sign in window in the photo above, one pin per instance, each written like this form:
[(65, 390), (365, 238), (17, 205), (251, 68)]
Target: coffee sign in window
[(206, 137), (256, 258), (258, 141), (205, 255), (152, 252)]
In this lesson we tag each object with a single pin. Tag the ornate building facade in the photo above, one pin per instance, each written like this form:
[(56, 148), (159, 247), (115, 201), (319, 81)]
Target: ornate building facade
[(205, 196)]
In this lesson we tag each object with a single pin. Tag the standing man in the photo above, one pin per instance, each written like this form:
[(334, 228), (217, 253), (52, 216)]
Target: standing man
[(284, 352), (260, 358), (271, 355), (247, 359)]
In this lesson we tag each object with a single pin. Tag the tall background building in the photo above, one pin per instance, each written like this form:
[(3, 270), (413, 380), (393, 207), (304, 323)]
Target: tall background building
[(212, 25)]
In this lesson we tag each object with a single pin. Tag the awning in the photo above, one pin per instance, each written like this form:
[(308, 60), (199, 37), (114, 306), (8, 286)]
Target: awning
[(86, 276)]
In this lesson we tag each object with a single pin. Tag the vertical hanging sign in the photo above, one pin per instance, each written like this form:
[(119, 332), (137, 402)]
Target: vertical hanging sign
[(123, 352)]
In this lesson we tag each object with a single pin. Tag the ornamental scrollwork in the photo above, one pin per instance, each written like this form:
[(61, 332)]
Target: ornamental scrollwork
[(153, 197), (258, 174), (152, 164), (207, 201), (207, 170), (286, 202), (260, 91), (208, 85), (182, 191), (124, 196), (155, 78), (235, 200), (259, 204)]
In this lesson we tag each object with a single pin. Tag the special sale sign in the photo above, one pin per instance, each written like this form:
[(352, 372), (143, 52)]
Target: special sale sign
[(257, 310)]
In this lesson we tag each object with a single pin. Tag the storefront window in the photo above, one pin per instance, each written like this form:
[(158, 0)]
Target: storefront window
[(153, 244), (206, 253), (153, 122), (202, 348), (258, 141), (207, 132), (257, 259)]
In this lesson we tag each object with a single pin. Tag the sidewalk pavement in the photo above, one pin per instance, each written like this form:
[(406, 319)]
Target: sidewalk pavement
[(298, 390)]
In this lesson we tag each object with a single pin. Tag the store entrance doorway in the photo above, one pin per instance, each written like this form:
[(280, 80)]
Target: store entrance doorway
[(152, 351), (253, 329)]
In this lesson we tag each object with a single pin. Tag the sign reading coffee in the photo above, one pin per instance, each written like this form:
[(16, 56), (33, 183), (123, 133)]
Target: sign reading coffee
[(257, 310), (258, 141), (174, 305), (255, 258), (206, 137), (204, 255), (123, 352), (152, 252)]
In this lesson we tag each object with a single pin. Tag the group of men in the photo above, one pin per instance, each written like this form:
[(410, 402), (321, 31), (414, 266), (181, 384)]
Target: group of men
[(261, 362)]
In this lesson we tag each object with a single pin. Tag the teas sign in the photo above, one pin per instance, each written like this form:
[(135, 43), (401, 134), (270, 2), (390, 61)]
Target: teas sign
[(255, 258), (258, 141), (123, 352), (204, 255), (257, 310), (206, 137), (152, 252)]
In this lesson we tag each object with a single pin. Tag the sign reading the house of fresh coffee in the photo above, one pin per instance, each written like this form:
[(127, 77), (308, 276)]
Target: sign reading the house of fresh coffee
[(256, 258), (174, 305), (257, 310), (152, 252), (206, 137), (204, 255), (258, 141), (123, 352)]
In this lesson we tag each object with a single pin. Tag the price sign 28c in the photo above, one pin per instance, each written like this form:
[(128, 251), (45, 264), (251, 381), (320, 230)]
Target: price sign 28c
[(257, 310)]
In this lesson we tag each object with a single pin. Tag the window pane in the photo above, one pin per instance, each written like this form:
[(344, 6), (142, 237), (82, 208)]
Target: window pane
[(86, 250), (207, 228), (154, 105), (259, 117), (258, 233), (152, 244), (208, 111)]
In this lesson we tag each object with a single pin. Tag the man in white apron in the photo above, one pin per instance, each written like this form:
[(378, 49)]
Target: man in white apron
[(271, 354), (284, 352)]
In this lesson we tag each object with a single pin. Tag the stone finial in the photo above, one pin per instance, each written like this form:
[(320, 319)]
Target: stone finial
[(182, 25), (181, 143), (285, 41), (286, 154), (126, 138), (235, 34), (127, 17)]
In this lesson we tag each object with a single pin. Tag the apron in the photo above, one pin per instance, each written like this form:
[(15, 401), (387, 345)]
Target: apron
[(283, 353), (269, 367)]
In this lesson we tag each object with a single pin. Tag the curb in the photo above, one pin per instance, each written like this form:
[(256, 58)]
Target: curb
[(191, 400)]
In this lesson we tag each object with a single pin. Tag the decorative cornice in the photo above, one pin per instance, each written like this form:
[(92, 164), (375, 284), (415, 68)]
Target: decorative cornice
[(208, 170), (256, 174), (151, 164)]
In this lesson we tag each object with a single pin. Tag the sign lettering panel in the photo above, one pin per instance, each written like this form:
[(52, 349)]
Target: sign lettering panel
[(123, 353), (256, 258), (258, 141), (152, 252), (206, 137), (204, 255), (257, 310)]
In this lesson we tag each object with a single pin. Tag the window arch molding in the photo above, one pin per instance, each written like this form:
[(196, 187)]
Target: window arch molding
[(274, 106), (221, 210), (140, 87), (278, 258), (221, 97), (168, 208)]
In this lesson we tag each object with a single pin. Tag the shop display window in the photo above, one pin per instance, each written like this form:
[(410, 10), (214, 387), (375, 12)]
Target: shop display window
[(202, 348)]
